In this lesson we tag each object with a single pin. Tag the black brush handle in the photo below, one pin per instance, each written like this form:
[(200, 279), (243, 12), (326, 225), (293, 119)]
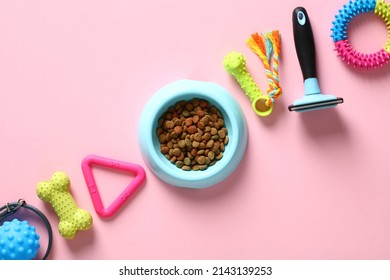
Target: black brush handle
[(304, 43)]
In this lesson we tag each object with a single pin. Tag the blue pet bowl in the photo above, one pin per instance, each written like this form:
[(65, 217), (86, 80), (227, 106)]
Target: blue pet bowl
[(234, 122)]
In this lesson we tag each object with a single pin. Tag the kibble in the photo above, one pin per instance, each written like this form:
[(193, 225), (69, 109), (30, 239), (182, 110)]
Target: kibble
[(195, 119), (197, 137), (210, 143), (178, 129), (213, 131), (182, 144), (176, 152), (222, 134), (187, 161), (192, 134), (188, 121), (164, 150), (169, 124), (201, 160), (192, 129)]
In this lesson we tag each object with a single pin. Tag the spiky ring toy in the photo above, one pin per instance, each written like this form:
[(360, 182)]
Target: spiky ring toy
[(339, 33)]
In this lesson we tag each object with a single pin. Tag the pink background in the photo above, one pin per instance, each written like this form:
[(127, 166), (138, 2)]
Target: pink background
[(75, 75)]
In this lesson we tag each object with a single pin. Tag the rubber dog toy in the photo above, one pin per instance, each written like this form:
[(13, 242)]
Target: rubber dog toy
[(25, 235), (133, 168), (18, 241), (235, 64), (57, 193), (340, 39), (267, 47)]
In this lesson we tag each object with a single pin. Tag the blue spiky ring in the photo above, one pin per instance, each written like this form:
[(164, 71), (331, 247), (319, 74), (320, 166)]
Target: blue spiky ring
[(339, 33)]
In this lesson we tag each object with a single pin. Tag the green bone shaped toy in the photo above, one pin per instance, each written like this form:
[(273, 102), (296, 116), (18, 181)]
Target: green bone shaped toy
[(235, 64), (57, 193), (267, 47)]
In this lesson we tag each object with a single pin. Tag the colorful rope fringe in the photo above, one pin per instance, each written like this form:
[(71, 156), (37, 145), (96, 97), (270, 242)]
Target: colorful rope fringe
[(267, 47)]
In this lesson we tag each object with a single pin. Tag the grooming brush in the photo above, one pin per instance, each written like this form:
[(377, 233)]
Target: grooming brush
[(305, 48)]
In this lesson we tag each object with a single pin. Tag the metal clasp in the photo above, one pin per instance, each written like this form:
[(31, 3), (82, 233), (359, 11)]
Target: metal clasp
[(10, 208)]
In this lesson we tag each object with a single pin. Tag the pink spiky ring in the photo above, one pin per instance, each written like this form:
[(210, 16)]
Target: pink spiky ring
[(339, 33)]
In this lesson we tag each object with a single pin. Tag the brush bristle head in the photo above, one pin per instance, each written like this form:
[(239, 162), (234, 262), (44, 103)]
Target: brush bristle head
[(312, 106)]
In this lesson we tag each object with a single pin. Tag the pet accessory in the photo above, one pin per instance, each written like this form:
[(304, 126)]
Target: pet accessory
[(57, 193), (267, 47), (235, 124), (305, 49), (136, 169), (18, 239), (340, 38)]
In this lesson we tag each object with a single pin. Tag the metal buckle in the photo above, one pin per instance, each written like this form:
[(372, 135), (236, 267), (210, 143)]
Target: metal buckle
[(11, 208)]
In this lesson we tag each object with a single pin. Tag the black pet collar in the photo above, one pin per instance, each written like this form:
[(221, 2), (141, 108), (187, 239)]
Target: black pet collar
[(11, 207)]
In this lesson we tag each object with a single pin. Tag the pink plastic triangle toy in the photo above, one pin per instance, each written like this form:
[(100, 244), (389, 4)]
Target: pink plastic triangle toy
[(133, 168)]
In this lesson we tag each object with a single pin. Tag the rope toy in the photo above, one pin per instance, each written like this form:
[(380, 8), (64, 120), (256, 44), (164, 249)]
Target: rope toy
[(340, 39), (267, 47)]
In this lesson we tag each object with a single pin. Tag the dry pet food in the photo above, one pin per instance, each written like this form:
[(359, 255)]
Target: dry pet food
[(192, 134)]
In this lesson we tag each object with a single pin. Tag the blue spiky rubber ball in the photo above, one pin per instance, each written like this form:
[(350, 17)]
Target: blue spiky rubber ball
[(18, 241)]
